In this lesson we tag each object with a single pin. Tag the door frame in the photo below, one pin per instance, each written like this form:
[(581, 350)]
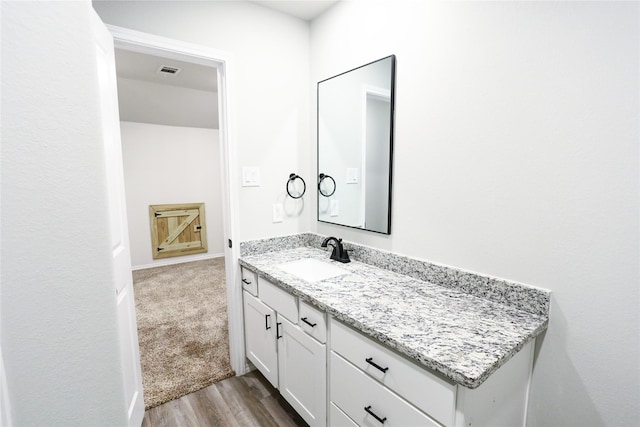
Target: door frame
[(124, 38), (380, 94)]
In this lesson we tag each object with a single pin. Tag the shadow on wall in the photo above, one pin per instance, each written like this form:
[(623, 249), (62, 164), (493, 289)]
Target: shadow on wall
[(570, 393)]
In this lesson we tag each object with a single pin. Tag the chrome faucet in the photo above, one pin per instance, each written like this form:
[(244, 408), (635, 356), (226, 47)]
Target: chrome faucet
[(339, 253)]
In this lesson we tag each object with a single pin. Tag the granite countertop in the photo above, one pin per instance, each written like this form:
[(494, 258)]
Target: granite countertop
[(461, 336)]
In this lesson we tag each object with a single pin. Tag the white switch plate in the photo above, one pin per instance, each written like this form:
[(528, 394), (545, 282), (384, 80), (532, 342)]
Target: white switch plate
[(250, 176), (335, 208), (277, 212), (352, 175)]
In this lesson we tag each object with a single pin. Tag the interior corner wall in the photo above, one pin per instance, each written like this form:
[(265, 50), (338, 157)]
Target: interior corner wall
[(517, 155), (59, 322), (269, 52), (167, 165)]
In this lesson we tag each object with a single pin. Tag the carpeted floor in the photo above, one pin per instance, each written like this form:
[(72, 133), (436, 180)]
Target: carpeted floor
[(182, 328)]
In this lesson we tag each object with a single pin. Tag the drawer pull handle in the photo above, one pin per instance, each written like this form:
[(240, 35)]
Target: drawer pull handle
[(370, 412), (246, 282), (278, 336), (375, 365), (267, 324), (304, 319)]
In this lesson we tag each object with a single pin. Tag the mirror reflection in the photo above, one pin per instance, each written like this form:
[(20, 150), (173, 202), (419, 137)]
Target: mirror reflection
[(355, 139)]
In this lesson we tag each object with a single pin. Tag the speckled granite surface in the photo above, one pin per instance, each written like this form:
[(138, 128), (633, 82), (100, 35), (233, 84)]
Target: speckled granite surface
[(462, 336), (527, 298)]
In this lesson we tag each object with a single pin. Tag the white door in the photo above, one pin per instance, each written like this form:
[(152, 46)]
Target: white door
[(302, 366), (123, 283), (260, 337)]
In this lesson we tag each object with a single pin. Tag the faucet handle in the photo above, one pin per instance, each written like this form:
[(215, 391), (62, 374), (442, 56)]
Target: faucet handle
[(345, 256)]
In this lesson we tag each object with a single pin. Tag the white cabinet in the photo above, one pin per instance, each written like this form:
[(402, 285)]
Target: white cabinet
[(260, 337), (429, 393), (370, 383), (277, 298), (368, 402), (249, 281), (313, 322), (291, 359), (302, 375), (339, 418)]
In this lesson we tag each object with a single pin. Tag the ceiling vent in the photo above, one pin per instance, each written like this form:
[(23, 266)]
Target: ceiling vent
[(165, 69)]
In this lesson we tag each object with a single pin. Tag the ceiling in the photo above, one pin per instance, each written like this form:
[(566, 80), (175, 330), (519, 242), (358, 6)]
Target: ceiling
[(188, 98), (303, 9), (140, 66)]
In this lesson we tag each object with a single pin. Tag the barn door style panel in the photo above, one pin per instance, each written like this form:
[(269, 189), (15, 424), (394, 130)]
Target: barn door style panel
[(177, 230)]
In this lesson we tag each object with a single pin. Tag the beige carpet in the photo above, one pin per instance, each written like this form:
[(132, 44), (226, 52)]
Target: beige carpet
[(182, 328)]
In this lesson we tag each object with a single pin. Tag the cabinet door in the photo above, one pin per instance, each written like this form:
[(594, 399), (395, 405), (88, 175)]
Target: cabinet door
[(302, 363), (260, 337)]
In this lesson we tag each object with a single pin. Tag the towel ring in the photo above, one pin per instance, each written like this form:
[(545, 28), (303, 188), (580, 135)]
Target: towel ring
[(292, 178), (322, 178)]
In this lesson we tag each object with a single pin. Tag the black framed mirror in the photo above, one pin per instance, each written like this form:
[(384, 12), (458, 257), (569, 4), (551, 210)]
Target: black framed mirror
[(355, 146)]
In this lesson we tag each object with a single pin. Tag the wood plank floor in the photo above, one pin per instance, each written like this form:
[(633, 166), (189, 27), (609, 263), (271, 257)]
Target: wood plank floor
[(243, 401)]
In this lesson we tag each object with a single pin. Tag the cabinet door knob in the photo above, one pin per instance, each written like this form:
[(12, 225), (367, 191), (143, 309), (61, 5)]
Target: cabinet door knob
[(304, 319), (278, 336), (375, 365), (246, 282), (370, 412)]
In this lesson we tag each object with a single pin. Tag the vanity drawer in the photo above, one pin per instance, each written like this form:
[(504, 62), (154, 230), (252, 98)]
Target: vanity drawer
[(249, 281), (428, 392), (278, 299), (337, 418), (355, 393), (309, 315)]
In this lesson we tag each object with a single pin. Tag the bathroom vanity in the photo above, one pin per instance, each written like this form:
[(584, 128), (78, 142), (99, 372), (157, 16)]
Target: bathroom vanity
[(373, 343)]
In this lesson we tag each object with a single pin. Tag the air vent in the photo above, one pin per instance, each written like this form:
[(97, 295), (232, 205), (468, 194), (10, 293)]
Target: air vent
[(165, 69)]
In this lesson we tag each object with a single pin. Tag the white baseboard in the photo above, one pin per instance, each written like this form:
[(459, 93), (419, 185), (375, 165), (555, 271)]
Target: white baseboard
[(180, 260)]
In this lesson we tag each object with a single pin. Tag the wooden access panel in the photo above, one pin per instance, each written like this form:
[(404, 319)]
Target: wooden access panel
[(177, 230)]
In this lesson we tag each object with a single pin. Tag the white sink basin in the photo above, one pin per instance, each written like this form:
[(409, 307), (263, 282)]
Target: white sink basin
[(312, 270)]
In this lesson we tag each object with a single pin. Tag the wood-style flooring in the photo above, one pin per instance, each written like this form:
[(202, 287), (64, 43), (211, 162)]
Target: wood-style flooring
[(243, 401)]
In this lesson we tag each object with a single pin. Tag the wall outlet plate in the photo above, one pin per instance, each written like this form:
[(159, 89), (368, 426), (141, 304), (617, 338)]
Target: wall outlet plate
[(335, 208), (352, 175), (278, 212)]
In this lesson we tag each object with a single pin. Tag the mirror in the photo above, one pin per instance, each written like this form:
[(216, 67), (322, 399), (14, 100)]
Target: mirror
[(355, 141)]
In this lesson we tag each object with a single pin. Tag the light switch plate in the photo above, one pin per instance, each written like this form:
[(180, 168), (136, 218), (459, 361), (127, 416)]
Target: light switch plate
[(250, 176), (277, 212), (352, 175)]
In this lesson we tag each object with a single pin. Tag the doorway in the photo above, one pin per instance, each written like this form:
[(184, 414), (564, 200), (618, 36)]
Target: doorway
[(135, 41)]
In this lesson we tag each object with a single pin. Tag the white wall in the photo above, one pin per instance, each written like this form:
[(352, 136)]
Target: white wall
[(270, 66), (58, 314), (166, 165), (516, 155)]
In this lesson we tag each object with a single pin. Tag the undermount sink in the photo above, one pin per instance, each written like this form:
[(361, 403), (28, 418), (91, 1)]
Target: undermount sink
[(312, 270)]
